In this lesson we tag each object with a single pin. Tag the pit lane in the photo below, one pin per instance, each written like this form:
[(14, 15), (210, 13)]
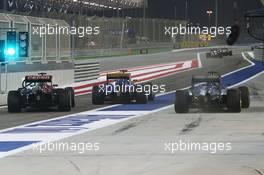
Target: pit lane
[(137, 146), (172, 82)]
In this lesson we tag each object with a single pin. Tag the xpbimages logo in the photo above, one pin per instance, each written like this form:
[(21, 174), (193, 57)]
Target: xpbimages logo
[(63, 30), (196, 30), (148, 89)]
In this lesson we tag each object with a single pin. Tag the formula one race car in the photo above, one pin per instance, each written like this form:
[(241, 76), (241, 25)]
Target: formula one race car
[(121, 89), (219, 53), (38, 92), (208, 92), (256, 46), (226, 52)]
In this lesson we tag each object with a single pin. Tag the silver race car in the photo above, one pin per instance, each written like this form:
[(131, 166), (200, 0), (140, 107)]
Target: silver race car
[(208, 92)]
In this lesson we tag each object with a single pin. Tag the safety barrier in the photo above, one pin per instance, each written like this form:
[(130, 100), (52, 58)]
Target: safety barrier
[(86, 70)]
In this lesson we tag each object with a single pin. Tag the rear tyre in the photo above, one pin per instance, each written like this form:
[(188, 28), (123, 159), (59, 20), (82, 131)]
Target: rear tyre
[(141, 98), (65, 101), (14, 102), (244, 96), (97, 96), (234, 100), (181, 104), (126, 98), (71, 91), (151, 95)]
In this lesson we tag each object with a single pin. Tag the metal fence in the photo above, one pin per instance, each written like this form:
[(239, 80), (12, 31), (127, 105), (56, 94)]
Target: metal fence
[(119, 32)]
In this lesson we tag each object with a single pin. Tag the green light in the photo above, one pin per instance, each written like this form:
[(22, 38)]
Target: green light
[(10, 52)]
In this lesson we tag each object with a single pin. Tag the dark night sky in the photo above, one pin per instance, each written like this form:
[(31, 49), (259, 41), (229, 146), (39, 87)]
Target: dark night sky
[(197, 9)]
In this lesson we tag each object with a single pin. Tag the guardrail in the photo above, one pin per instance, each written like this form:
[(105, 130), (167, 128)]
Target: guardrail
[(86, 70)]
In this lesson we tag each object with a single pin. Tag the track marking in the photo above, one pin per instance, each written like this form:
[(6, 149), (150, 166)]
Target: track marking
[(252, 77), (145, 75)]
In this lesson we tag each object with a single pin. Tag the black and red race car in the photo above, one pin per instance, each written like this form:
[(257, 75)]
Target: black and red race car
[(38, 92)]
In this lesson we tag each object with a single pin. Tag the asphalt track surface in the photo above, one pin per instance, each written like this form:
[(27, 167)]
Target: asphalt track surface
[(177, 81), (136, 146)]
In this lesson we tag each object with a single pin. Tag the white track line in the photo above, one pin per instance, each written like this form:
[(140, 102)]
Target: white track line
[(252, 64)]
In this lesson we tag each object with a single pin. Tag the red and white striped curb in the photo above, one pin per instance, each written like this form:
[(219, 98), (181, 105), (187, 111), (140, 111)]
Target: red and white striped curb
[(141, 74)]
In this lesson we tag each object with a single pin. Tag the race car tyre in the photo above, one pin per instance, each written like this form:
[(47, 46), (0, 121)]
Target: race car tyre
[(141, 98), (97, 96), (125, 98), (245, 99), (181, 104), (65, 100), (13, 102), (71, 91), (151, 96), (234, 100)]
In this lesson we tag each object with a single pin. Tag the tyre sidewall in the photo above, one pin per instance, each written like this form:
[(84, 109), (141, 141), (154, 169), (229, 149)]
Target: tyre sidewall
[(14, 102), (234, 100)]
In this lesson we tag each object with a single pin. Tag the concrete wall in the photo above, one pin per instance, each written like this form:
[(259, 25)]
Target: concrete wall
[(3, 99)]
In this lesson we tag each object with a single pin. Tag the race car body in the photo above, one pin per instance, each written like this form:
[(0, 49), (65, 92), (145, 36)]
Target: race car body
[(257, 46), (226, 52), (38, 92), (208, 92), (121, 89), (219, 53)]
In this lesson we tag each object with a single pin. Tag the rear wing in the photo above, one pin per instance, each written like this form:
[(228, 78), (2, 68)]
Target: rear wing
[(120, 75), (206, 79), (38, 78)]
